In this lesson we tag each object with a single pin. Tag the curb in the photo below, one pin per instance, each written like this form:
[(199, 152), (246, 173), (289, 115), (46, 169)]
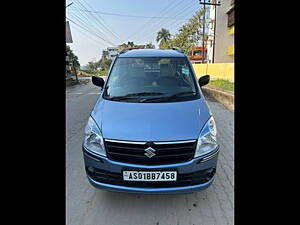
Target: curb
[(72, 82), (224, 97)]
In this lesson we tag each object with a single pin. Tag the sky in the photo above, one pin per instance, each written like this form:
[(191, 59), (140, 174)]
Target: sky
[(94, 29)]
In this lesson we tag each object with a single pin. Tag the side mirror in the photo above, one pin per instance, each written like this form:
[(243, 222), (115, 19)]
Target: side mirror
[(204, 80), (98, 81)]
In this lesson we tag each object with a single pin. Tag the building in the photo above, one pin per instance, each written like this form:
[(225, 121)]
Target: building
[(130, 45), (68, 74), (104, 54), (68, 33), (224, 39), (112, 52)]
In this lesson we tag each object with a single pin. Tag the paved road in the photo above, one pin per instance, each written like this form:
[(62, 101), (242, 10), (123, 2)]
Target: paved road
[(89, 206)]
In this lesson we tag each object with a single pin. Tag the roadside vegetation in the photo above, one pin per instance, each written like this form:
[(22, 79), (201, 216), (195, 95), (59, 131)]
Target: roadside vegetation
[(96, 68), (90, 73), (222, 84), (186, 38), (72, 58)]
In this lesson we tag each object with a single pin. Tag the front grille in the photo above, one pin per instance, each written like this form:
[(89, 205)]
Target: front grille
[(166, 153), (187, 179)]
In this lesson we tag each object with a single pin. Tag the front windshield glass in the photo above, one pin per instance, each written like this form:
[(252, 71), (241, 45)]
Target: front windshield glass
[(151, 78)]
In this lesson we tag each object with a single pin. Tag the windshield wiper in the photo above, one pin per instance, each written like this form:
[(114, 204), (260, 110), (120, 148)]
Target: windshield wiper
[(133, 95), (168, 97), (182, 93)]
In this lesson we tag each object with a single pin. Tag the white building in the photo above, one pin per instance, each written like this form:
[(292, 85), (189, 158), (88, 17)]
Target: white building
[(224, 40), (112, 52)]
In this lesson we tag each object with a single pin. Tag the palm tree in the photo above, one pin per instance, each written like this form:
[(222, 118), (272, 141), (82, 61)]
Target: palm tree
[(163, 35)]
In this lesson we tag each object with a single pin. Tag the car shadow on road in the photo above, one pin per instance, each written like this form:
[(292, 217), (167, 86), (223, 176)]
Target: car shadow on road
[(138, 201), (151, 208)]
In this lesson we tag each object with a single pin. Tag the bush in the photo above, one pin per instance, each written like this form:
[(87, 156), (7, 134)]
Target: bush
[(94, 72)]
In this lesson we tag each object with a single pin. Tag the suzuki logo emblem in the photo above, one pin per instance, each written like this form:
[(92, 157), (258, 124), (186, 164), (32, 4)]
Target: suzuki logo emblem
[(149, 152)]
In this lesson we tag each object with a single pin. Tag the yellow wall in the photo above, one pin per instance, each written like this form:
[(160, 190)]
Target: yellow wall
[(230, 50), (223, 71), (231, 30)]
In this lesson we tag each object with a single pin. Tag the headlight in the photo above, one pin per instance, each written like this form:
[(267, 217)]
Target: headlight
[(207, 141), (93, 139)]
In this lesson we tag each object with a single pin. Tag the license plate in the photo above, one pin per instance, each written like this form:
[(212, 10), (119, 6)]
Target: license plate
[(150, 175)]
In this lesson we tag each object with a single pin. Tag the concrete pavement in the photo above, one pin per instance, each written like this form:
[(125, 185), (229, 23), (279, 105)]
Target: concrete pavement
[(89, 206)]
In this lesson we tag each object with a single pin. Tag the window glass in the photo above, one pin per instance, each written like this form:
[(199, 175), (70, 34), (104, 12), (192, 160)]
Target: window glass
[(167, 76)]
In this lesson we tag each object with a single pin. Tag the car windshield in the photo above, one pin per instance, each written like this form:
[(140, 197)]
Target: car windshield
[(153, 79)]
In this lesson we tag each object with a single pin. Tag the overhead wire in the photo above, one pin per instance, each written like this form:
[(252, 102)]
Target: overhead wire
[(89, 25), (153, 26), (175, 24), (179, 24), (106, 26), (87, 35), (145, 25), (89, 22), (187, 10), (161, 24), (84, 28), (94, 20), (135, 16)]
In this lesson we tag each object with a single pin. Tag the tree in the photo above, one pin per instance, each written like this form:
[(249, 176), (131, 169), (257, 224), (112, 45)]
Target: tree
[(97, 64), (123, 46), (149, 45), (92, 66), (72, 57), (188, 36), (130, 44), (163, 36), (105, 63)]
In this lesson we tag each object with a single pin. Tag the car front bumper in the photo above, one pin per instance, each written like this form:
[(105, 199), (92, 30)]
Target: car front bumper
[(104, 164)]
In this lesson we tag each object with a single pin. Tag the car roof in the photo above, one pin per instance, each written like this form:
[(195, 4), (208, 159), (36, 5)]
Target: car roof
[(151, 53)]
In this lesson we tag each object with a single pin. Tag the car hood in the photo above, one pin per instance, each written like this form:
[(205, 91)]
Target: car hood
[(151, 121)]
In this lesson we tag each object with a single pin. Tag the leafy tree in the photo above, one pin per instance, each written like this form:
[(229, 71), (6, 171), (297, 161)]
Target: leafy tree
[(92, 66), (130, 44), (166, 45), (97, 64), (163, 36), (149, 45), (105, 63), (188, 36), (72, 56)]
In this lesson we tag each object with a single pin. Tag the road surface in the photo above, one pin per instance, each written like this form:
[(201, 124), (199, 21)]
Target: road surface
[(89, 206)]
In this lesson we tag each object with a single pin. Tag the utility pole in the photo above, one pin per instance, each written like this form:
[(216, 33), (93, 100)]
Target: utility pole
[(204, 3), (215, 27), (203, 34)]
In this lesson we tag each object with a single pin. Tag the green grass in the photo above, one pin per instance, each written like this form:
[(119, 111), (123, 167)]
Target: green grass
[(103, 73), (222, 84), (95, 73)]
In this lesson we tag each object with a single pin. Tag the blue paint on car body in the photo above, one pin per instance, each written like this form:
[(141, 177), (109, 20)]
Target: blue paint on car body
[(151, 100)]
